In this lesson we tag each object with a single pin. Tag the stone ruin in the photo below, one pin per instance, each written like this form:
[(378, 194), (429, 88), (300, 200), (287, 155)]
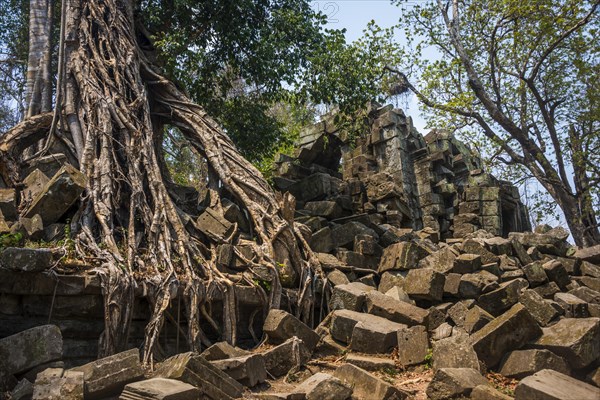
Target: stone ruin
[(435, 288), (401, 178)]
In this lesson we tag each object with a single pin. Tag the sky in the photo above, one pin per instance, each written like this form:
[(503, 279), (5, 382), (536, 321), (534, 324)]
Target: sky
[(354, 15)]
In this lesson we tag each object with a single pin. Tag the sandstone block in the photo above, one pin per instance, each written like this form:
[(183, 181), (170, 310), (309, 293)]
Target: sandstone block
[(367, 386), (280, 326), (450, 383), (30, 348), (551, 385), (521, 363)]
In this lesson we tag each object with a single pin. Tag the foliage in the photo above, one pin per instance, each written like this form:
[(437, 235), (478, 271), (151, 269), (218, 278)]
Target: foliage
[(11, 239), (518, 80)]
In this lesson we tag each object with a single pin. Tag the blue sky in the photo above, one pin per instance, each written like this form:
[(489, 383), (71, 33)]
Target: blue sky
[(354, 15)]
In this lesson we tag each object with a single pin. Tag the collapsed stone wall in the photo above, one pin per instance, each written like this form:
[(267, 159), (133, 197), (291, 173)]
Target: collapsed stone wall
[(401, 178)]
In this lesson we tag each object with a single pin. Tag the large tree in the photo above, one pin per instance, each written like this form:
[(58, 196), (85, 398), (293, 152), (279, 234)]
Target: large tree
[(523, 74), (113, 106)]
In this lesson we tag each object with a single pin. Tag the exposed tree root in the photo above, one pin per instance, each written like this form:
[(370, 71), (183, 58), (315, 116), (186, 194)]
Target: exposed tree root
[(114, 107)]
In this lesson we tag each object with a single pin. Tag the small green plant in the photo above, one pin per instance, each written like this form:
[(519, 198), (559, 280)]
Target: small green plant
[(266, 285), (11, 239), (429, 359)]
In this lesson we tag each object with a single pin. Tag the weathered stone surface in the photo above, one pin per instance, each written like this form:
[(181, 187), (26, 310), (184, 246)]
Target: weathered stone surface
[(370, 363), (58, 384), (343, 235), (327, 209), (26, 260), (214, 225), (476, 319), (577, 340), (473, 285), (425, 284), (448, 383), (375, 336), (280, 359), (337, 278), (574, 307), (451, 285), (413, 345), (591, 254), (30, 348), (367, 386), (249, 370), (58, 195), (394, 310), (547, 290), (280, 326), (458, 311), (535, 274), (442, 260), (546, 243), (8, 204), (23, 390), (454, 352), (402, 256), (350, 296), (324, 386), (466, 263), (107, 376), (499, 300), (222, 350), (484, 392), (472, 246), (33, 184), (551, 385), (557, 273), (195, 370), (390, 279), (160, 389), (521, 363), (507, 332), (399, 294), (586, 294)]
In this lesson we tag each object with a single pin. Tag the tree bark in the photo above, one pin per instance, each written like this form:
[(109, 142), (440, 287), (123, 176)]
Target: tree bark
[(38, 87)]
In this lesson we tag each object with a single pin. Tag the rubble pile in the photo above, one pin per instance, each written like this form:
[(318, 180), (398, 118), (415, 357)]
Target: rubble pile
[(435, 288)]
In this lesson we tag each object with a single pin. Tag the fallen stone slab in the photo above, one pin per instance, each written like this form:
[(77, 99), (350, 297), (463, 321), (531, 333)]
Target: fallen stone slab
[(476, 319), (23, 390), (26, 260), (521, 363), (58, 384), (458, 312), (538, 307), (466, 263), (370, 363), (399, 294), (448, 383), (499, 300), (391, 279), (535, 274), (442, 260), (192, 368), (574, 307), (413, 345), (402, 256), (367, 386), (350, 296), (485, 392), (343, 323), (58, 195), (108, 376), (507, 332), (323, 386), (343, 235), (454, 352), (552, 385), (590, 254), (577, 340), (375, 336), (248, 370), (424, 284), (557, 273), (280, 326), (160, 389), (30, 348), (279, 360), (222, 350), (402, 312), (471, 286)]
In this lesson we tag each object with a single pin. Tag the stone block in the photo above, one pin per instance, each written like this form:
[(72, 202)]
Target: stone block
[(424, 284), (26, 260), (58, 384), (375, 336), (280, 326), (249, 370), (590, 254), (521, 363), (321, 241), (399, 294), (485, 392), (476, 319), (291, 353), (413, 345), (222, 350), (471, 286), (160, 389), (466, 263), (402, 256), (472, 246), (194, 369), (337, 277), (577, 340), (499, 300), (507, 332), (458, 311), (370, 363), (326, 209), (448, 383), (214, 225), (59, 194), (454, 352), (390, 279), (8, 204), (586, 294), (108, 376), (547, 290), (574, 307), (551, 385), (367, 386), (324, 386), (589, 269), (30, 348), (535, 274), (451, 285), (442, 260), (350, 296), (557, 273), (343, 235), (395, 310)]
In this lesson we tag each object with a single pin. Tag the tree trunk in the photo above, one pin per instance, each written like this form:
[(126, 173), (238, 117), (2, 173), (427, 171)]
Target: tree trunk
[(115, 106), (38, 87)]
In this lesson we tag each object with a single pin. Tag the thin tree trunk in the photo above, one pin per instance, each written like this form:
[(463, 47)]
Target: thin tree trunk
[(38, 87)]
